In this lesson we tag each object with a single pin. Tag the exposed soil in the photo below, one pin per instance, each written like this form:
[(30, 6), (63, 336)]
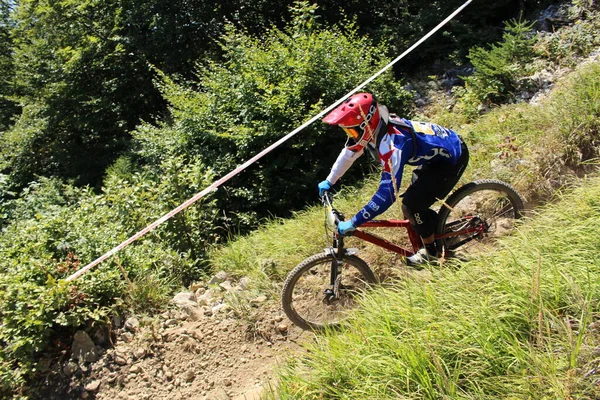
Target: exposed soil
[(181, 355), (212, 358)]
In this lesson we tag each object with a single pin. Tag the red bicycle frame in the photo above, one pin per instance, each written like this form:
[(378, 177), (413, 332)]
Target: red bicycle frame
[(413, 236)]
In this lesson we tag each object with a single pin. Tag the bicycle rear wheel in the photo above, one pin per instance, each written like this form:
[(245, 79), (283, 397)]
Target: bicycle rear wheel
[(490, 205), (304, 298)]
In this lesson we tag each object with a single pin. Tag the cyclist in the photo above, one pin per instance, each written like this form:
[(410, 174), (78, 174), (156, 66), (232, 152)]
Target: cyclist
[(439, 153)]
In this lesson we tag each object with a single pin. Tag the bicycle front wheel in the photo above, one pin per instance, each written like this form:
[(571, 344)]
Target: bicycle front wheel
[(490, 206), (312, 303)]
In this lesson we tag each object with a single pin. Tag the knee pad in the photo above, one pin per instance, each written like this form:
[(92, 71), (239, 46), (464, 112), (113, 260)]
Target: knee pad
[(422, 221)]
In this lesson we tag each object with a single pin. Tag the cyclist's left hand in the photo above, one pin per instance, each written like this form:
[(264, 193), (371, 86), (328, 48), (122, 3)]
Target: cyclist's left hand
[(346, 228), (324, 186)]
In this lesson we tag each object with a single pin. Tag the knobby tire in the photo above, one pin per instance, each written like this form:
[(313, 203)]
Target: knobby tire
[(303, 299), (496, 202)]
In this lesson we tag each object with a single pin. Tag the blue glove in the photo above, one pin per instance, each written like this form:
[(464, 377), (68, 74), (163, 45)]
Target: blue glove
[(323, 186), (345, 228)]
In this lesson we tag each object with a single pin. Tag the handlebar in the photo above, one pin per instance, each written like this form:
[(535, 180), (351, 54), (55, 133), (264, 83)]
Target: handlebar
[(334, 215), (327, 198)]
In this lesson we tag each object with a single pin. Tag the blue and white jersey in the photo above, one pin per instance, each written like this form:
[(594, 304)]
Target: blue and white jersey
[(407, 142)]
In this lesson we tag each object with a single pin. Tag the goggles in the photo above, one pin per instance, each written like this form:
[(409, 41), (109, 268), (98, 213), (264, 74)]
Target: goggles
[(352, 132)]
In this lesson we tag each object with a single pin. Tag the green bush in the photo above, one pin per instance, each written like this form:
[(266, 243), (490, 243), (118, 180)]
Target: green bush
[(568, 44), (498, 69), (56, 229), (576, 110)]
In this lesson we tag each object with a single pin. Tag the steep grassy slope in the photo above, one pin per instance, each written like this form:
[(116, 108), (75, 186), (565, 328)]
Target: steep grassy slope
[(518, 323)]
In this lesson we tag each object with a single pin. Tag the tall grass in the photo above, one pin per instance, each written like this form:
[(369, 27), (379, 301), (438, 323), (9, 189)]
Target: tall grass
[(508, 325)]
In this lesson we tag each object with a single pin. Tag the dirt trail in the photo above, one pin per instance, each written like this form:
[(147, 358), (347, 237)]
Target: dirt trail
[(215, 357), (201, 348)]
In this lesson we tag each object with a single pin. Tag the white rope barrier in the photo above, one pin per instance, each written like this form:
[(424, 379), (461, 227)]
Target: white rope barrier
[(213, 187)]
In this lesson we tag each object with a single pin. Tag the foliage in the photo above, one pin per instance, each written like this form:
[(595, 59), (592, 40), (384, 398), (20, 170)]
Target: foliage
[(84, 79), (52, 229), (568, 44), (86, 82), (499, 68), (263, 90), (55, 229), (82, 89), (84, 76), (402, 23), (8, 107)]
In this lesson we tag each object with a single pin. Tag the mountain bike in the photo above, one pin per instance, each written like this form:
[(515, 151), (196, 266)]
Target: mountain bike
[(319, 291)]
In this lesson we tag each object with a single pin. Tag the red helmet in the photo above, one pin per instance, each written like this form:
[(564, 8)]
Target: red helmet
[(359, 117)]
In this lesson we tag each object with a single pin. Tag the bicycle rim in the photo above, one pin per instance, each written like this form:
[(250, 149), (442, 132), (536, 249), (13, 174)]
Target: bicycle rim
[(491, 205), (304, 300)]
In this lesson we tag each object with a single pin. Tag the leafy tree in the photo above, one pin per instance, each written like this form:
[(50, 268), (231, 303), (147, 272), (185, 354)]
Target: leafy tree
[(8, 107), (85, 80), (263, 90), (82, 90), (174, 35)]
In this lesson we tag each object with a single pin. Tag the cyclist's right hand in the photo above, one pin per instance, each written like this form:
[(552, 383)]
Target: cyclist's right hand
[(324, 186), (346, 228)]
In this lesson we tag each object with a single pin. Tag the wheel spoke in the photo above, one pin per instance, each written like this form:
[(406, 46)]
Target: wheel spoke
[(310, 290), (311, 302), (484, 211)]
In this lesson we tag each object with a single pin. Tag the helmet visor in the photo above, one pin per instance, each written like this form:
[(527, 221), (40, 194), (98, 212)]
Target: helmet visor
[(352, 132)]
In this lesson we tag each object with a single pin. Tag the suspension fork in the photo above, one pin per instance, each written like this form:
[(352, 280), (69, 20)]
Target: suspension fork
[(337, 252)]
